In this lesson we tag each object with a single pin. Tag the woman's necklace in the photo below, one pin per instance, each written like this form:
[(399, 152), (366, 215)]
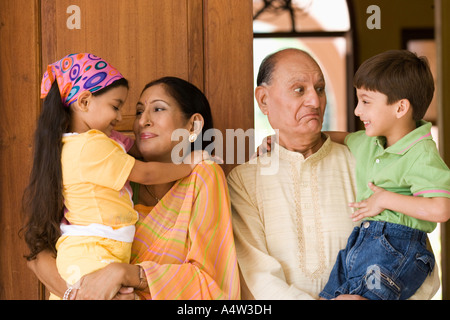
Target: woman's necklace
[(151, 193)]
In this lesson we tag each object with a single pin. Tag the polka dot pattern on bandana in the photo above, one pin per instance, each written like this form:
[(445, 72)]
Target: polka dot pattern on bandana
[(76, 73)]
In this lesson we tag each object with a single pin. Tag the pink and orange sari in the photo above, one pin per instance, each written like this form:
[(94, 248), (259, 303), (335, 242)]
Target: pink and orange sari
[(185, 243)]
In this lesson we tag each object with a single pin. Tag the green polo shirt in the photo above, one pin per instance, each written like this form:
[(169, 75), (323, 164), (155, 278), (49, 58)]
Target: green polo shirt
[(412, 166)]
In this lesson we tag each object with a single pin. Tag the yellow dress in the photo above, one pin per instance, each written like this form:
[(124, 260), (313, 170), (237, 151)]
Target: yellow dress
[(98, 204)]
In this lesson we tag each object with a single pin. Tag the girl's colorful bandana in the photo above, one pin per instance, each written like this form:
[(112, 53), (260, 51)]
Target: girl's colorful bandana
[(76, 73)]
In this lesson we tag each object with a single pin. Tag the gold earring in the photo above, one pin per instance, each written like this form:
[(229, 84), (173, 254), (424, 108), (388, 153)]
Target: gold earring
[(192, 137)]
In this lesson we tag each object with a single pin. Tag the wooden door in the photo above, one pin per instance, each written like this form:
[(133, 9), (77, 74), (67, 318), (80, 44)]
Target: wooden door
[(207, 42), (144, 39), (19, 96)]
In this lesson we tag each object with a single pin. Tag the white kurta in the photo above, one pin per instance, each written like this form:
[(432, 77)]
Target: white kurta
[(290, 219)]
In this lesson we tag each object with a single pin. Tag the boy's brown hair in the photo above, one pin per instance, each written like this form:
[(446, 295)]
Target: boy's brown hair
[(399, 74)]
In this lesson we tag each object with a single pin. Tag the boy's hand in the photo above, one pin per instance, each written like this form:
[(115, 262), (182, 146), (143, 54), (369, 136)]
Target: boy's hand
[(198, 156), (370, 207), (195, 157), (264, 147)]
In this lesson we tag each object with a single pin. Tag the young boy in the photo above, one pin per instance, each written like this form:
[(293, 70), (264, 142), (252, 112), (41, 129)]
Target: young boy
[(403, 185)]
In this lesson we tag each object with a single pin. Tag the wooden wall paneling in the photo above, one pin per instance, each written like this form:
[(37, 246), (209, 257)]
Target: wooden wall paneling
[(228, 28), (195, 43), (19, 85), (144, 39)]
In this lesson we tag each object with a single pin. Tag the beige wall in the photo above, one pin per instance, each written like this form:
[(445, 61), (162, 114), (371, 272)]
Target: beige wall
[(395, 16)]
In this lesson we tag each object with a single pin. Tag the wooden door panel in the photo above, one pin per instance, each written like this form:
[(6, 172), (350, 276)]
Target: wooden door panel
[(229, 70), (144, 39), (19, 96)]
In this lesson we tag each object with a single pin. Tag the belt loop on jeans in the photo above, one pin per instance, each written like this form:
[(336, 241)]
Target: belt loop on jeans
[(420, 236), (378, 227)]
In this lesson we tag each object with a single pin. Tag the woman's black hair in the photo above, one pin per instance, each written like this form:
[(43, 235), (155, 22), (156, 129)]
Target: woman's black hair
[(191, 100)]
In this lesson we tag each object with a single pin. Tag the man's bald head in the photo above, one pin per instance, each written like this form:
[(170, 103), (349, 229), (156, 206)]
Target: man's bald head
[(268, 65)]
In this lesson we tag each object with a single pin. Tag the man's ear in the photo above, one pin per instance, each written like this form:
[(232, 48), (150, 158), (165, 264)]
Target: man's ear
[(403, 106), (261, 98), (83, 101)]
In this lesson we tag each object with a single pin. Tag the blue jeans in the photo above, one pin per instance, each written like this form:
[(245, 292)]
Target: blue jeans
[(382, 261)]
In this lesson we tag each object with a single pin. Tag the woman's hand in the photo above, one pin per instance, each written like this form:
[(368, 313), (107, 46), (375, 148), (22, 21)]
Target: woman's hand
[(125, 293), (44, 267), (103, 284), (195, 157), (198, 156), (115, 281)]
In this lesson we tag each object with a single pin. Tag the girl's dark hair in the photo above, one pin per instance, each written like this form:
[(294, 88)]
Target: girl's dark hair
[(191, 100), (43, 202)]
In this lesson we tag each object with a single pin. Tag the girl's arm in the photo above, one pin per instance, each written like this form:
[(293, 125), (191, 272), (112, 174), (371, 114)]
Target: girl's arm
[(149, 173), (128, 143), (134, 151), (44, 267), (428, 209)]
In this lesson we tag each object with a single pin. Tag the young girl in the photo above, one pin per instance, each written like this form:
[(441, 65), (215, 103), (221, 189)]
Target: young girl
[(79, 173)]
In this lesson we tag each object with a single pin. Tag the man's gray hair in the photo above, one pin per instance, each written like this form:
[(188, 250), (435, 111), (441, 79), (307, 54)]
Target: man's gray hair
[(268, 65)]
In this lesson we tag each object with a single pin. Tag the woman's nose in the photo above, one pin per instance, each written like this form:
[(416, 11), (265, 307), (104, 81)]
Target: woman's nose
[(145, 120)]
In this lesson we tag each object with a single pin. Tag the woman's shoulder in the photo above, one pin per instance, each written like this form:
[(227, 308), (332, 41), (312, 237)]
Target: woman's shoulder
[(208, 166), (208, 172)]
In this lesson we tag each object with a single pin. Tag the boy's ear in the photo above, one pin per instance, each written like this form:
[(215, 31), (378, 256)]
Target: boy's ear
[(83, 101), (403, 106), (261, 98)]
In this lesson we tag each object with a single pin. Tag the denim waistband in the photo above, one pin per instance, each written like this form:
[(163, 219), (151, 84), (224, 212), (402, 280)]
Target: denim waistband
[(377, 228)]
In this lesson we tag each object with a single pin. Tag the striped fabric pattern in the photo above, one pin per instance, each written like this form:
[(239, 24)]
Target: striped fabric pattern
[(185, 243)]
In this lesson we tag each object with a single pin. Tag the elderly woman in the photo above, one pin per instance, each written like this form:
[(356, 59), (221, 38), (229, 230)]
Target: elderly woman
[(183, 247)]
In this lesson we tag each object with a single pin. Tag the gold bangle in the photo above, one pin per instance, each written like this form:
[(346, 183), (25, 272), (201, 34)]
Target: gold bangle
[(142, 279)]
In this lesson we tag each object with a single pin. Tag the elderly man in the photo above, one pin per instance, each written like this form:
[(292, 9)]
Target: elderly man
[(290, 225)]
